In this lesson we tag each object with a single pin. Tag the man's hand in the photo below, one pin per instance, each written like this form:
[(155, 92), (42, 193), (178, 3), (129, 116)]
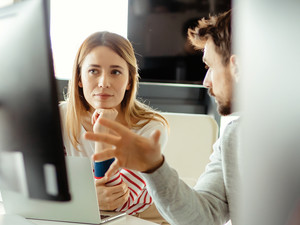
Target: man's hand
[(97, 128), (111, 198), (131, 150)]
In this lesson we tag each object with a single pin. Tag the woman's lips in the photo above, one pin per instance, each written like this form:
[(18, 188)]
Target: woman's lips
[(103, 95)]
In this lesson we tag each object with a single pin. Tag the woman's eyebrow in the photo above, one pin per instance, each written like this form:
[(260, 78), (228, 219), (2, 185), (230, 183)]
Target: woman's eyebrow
[(94, 65), (116, 67)]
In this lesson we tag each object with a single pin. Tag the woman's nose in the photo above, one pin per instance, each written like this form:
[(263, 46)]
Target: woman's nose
[(103, 80)]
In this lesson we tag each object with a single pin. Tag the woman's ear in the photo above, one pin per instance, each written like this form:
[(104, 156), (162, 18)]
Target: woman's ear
[(129, 84), (80, 84), (234, 67)]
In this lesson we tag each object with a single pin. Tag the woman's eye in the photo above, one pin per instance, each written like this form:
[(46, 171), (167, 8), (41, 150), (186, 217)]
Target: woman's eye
[(116, 72), (93, 71)]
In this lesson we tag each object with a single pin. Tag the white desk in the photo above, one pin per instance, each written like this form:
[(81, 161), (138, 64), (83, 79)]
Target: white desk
[(125, 220)]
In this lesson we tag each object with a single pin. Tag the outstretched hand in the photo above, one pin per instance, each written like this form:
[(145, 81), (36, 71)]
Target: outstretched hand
[(130, 150)]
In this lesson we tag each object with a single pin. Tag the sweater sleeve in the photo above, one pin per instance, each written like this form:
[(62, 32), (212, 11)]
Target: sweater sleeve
[(206, 203), (139, 198), (180, 204)]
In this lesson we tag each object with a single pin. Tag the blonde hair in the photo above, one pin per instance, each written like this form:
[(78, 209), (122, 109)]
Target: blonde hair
[(78, 107)]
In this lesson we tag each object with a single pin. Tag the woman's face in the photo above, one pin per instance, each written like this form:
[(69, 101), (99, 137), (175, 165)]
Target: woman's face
[(104, 78)]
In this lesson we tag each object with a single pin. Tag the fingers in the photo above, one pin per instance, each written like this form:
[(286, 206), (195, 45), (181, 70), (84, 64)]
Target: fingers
[(112, 205), (122, 199), (107, 113), (155, 136), (95, 116), (114, 167), (104, 155), (120, 196), (110, 198), (101, 181), (116, 191), (114, 126), (106, 138)]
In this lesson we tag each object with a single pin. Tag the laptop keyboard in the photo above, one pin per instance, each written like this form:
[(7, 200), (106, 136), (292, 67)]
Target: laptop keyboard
[(104, 216)]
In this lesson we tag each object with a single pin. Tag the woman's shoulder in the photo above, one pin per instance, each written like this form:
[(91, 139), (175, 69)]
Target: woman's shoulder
[(62, 105), (152, 124), (150, 127)]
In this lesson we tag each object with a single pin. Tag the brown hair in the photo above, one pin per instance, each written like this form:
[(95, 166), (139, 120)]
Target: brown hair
[(78, 107), (219, 29)]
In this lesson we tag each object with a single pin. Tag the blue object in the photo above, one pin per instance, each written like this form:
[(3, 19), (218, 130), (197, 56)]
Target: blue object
[(100, 168)]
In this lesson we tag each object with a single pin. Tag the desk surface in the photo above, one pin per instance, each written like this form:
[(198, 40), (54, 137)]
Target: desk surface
[(125, 220)]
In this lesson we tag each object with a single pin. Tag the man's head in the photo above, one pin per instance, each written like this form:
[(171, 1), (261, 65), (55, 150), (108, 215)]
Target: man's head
[(213, 35)]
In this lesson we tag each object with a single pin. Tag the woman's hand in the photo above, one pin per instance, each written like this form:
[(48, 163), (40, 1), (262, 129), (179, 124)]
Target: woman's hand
[(111, 198), (130, 150), (102, 113)]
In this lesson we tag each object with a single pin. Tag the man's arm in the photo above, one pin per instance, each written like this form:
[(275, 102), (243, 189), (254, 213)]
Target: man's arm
[(178, 203)]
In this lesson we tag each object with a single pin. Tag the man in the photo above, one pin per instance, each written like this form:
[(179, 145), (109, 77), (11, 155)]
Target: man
[(213, 199)]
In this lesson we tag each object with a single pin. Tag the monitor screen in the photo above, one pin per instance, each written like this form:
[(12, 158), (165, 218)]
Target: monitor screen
[(31, 148), (158, 32)]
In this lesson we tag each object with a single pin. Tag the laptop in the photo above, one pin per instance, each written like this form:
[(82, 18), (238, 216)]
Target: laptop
[(83, 207)]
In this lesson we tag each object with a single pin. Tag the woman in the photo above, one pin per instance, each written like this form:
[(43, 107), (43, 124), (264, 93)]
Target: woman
[(104, 84)]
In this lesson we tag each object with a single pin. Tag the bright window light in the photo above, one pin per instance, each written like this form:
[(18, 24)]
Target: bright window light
[(74, 20), (4, 3)]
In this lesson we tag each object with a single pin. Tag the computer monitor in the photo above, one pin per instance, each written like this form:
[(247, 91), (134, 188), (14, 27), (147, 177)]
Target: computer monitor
[(31, 146)]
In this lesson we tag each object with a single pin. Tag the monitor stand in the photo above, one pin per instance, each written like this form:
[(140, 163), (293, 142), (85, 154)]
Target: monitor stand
[(10, 219)]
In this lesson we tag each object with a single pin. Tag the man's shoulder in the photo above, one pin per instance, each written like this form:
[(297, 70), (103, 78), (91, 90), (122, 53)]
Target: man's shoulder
[(231, 129), (234, 123)]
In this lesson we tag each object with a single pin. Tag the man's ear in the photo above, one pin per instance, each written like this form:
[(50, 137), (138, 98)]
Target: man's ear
[(234, 67)]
